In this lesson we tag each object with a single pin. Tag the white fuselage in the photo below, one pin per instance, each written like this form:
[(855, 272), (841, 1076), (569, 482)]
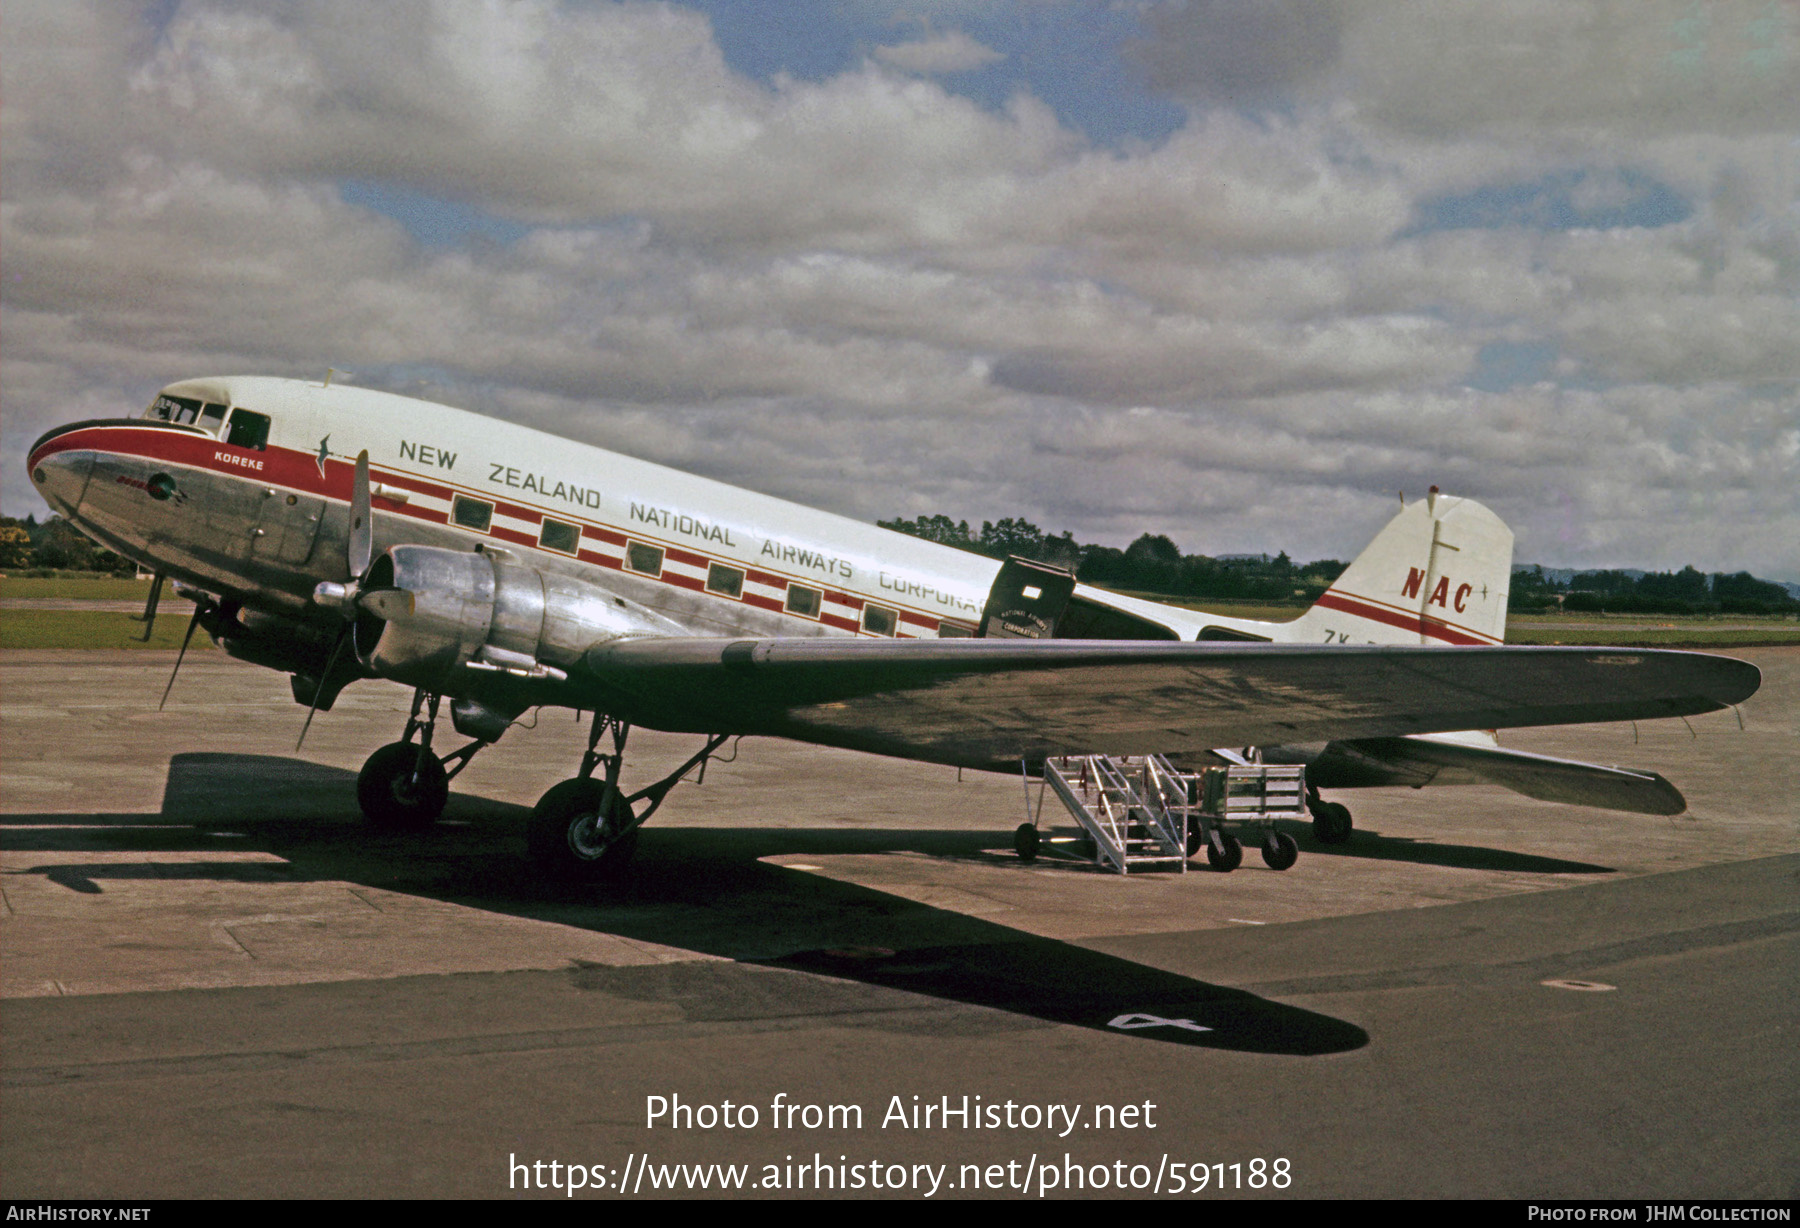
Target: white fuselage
[(712, 557)]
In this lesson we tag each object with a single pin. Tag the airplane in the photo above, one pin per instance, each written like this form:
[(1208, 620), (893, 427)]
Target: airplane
[(338, 533)]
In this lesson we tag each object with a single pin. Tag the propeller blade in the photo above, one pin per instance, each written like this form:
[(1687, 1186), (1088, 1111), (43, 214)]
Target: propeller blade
[(362, 529), (319, 691), (182, 655), (387, 603), (148, 617)]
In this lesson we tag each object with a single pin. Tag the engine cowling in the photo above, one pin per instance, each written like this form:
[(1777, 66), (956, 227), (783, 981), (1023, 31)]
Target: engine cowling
[(424, 613)]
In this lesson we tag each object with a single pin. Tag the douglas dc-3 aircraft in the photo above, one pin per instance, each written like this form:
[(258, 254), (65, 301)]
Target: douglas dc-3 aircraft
[(338, 533)]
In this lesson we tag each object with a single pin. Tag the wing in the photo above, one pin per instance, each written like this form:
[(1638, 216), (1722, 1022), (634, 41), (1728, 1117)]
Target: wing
[(1421, 761), (990, 703)]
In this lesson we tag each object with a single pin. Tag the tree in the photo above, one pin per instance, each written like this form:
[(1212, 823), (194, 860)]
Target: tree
[(1011, 536), (939, 528), (15, 546)]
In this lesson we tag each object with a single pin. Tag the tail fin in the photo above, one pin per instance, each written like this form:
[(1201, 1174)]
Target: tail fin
[(1437, 574)]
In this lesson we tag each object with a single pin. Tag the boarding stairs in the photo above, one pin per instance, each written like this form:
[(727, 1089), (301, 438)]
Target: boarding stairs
[(1140, 812), (1119, 808)]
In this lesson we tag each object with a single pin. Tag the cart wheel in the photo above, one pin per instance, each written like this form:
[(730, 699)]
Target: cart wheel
[(1223, 852), (1025, 841), (1279, 851)]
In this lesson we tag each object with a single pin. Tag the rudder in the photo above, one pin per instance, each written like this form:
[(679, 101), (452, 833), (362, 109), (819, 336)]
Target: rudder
[(1438, 573)]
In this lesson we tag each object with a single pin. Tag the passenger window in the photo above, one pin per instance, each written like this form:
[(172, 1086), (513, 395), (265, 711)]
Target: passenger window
[(725, 581), (879, 620), (647, 559), (559, 536), (248, 430), (803, 601), (954, 631), (470, 513), (212, 415)]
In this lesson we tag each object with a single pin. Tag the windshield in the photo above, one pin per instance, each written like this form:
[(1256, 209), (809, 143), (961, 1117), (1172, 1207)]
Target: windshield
[(188, 411)]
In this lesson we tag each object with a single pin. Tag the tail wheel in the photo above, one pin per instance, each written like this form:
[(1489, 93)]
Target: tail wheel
[(402, 785), (1223, 852), (1279, 852), (573, 832), (1331, 823)]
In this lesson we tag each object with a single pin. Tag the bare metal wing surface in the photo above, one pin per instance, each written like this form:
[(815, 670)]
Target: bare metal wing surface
[(1420, 761), (991, 702)]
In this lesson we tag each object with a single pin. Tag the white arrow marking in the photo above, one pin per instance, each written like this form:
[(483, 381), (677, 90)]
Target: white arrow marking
[(1133, 1022)]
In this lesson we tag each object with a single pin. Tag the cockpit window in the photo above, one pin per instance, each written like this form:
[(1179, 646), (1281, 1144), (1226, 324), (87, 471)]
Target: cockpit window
[(173, 409), (248, 430), (211, 415)]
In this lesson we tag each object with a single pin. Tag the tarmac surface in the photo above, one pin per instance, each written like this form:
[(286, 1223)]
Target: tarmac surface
[(215, 981)]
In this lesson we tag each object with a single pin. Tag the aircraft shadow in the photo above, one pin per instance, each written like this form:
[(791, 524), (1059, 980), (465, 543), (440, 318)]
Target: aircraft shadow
[(695, 888), (1374, 846)]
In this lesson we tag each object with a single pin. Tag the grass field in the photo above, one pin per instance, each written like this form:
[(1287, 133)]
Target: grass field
[(1654, 631), (80, 629), (1261, 611), (75, 588), (77, 629)]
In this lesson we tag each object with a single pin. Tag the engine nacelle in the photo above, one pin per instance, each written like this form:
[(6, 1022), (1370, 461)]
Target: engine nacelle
[(425, 613)]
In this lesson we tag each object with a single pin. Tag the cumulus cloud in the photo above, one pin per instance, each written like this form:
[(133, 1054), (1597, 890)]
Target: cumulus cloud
[(870, 292), (953, 51)]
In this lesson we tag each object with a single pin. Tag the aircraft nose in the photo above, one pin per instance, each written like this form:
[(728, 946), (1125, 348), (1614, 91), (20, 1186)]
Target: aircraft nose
[(61, 477)]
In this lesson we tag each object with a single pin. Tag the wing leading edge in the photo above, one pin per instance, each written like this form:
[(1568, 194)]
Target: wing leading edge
[(990, 703)]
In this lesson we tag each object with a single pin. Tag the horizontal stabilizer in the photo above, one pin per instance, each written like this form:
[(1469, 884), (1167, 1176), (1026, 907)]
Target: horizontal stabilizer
[(990, 702), (1427, 760)]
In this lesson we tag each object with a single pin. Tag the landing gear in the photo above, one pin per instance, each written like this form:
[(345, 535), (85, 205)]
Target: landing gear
[(1025, 841), (582, 829), (1331, 820), (1279, 852), (404, 784), (1223, 852), (585, 830)]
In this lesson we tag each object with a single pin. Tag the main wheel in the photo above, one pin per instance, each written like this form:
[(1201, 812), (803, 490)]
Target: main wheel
[(1331, 823), (1025, 840), (402, 786), (572, 834), (1279, 851), (1223, 852)]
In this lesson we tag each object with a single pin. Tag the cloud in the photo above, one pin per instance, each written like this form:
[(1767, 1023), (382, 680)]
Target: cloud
[(875, 294), (938, 54), (1240, 51), (1528, 68)]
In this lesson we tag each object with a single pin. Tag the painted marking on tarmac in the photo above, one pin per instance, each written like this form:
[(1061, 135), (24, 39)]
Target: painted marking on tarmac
[(1131, 1023), (1580, 986)]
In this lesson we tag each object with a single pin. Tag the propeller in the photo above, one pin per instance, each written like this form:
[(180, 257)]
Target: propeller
[(203, 605), (359, 555), (200, 608)]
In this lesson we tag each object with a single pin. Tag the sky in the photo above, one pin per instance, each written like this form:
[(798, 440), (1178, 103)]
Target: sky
[(1234, 271)]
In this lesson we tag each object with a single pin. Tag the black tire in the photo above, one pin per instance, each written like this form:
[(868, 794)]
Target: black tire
[(1279, 851), (1331, 823), (568, 833), (1223, 852), (401, 787), (1196, 839), (1025, 841)]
